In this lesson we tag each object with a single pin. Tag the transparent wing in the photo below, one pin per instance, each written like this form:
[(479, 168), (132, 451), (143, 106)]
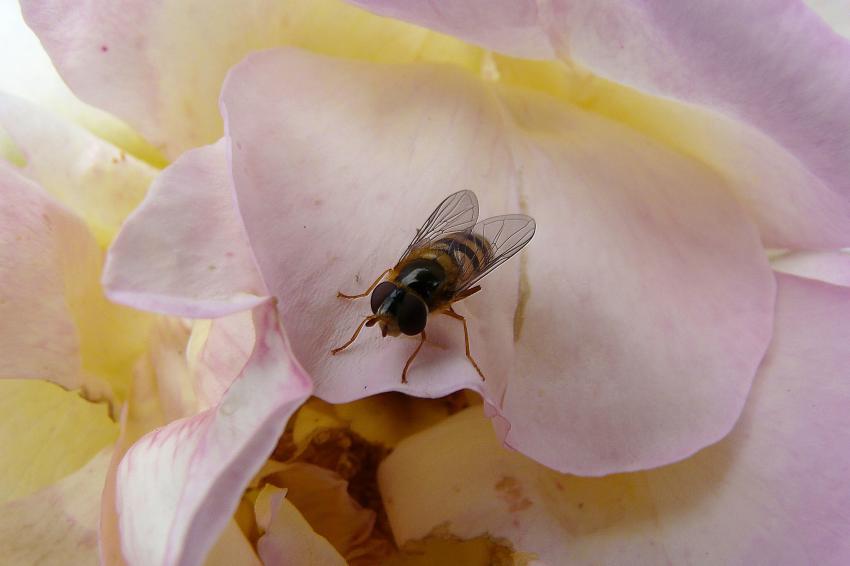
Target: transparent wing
[(506, 235), (457, 213)]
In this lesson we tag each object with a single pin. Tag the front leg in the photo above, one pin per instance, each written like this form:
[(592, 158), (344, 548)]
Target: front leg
[(367, 291)]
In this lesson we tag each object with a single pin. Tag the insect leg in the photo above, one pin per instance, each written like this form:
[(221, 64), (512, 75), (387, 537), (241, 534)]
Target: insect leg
[(368, 321), (453, 314), (367, 291), (410, 359)]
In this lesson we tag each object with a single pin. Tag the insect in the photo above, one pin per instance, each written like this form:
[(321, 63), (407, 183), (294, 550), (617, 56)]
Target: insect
[(448, 256)]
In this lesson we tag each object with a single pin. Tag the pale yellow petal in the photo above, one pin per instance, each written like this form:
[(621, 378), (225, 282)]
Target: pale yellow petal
[(47, 433), (58, 525), (289, 540)]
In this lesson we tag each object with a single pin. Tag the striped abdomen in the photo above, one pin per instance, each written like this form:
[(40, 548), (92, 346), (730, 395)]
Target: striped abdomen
[(468, 253)]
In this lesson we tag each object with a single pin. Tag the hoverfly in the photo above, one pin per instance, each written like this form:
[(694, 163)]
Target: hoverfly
[(448, 256)]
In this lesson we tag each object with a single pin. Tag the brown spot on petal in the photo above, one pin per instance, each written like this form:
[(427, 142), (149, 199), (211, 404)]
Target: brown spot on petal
[(523, 296), (510, 490), (442, 547)]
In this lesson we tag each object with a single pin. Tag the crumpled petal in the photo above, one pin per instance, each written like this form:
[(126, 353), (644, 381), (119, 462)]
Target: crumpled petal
[(160, 66), (781, 109), (178, 486), (57, 525), (95, 179), (832, 267), (184, 251), (47, 434), (772, 492), (288, 539), (629, 336)]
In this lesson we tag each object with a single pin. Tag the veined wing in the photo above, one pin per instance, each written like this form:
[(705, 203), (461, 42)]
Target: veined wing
[(457, 213), (505, 236)]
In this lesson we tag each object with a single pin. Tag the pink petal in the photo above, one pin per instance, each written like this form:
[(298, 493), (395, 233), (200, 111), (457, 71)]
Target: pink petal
[(773, 76), (289, 540), (646, 302), (178, 486), (224, 349), (160, 66), (152, 65), (836, 13), (772, 492), (46, 257), (96, 180), (832, 267), (184, 251), (57, 525), (145, 410)]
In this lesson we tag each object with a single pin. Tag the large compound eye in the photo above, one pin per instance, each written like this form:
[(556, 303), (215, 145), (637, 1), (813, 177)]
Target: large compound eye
[(379, 295), (412, 315)]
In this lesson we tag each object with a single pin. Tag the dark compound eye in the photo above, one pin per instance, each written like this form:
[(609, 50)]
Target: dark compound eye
[(380, 294), (412, 314)]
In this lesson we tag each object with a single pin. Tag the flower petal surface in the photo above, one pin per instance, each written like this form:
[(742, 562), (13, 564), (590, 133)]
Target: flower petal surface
[(178, 486), (625, 336), (184, 251), (832, 267), (218, 350), (57, 325), (46, 259), (160, 391), (57, 525), (27, 72), (98, 181), (772, 492), (159, 66), (47, 434), (288, 539), (834, 12), (791, 106)]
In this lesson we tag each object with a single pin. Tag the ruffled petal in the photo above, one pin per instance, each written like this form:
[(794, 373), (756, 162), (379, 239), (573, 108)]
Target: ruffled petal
[(288, 539), (95, 179), (626, 336), (57, 525), (160, 66), (832, 267), (769, 79), (772, 492), (184, 251), (178, 486)]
